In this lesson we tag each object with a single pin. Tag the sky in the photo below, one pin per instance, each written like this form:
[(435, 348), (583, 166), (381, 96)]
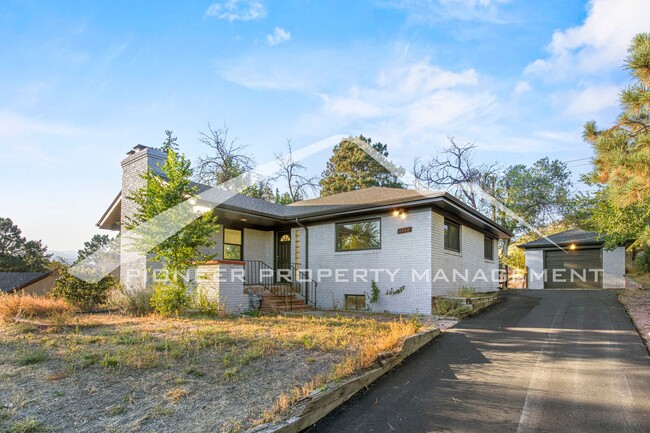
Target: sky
[(82, 82)]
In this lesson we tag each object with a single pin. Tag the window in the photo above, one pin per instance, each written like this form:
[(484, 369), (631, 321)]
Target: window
[(488, 248), (358, 235), (452, 236), (232, 241), (355, 302)]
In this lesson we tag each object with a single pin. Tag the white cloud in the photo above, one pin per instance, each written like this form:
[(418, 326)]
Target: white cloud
[(593, 100), (430, 11), (278, 36), (233, 10), (600, 43), (294, 69), (521, 87), (409, 103), (399, 96)]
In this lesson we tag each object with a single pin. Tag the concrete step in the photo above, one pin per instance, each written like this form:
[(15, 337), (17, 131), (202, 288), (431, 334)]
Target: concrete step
[(283, 303), (282, 309)]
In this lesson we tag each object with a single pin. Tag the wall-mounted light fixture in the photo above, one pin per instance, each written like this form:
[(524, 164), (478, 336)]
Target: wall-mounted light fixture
[(399, 213), (572, 246)]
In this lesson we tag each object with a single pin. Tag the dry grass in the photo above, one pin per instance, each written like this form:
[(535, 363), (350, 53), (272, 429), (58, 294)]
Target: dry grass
[(365, 357), (176, 394), (16, 306), (223, 351), (643, 279)]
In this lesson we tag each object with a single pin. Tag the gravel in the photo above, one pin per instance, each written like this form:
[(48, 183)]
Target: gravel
[(637, 303)]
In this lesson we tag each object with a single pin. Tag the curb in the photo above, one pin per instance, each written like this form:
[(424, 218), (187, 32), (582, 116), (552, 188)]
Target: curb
[(322, 402)]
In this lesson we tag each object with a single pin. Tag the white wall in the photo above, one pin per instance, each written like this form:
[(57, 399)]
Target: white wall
[(258, 245), (535, 264), (467, 263), (221, 282), (399, 252), (614, 268)]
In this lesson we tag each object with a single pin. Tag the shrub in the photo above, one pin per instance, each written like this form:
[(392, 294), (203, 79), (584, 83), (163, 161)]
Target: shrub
[(374, 295), (205, 305), (32, 358), (17, 305), (169, 298), (465, 292), (81, 293), (442, 306), (133, 303), (642, 261)]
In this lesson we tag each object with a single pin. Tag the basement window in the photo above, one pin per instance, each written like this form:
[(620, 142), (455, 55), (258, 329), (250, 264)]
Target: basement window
[(355, 302)]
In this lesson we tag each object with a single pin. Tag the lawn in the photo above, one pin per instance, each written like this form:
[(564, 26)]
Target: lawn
[(111, 372)]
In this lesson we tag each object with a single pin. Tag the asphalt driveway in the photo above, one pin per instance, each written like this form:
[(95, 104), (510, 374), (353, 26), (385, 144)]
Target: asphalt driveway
[(539, 361)]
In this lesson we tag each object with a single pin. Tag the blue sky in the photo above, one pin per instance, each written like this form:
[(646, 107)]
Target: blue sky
[(82, 82)]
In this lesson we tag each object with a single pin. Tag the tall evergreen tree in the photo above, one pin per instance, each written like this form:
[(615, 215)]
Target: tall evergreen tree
[(350, 168), (622, 156), (17, 254), (96, 243), (170, 142)]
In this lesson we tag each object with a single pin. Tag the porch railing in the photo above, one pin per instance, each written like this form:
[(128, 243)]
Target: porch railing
[(286, 283), (306, 285)]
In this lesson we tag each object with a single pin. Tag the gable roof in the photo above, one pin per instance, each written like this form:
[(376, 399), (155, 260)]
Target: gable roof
[(347, 203), (572, 236), (12, 281)]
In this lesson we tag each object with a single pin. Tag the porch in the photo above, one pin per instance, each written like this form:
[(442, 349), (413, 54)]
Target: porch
[(253, 285)]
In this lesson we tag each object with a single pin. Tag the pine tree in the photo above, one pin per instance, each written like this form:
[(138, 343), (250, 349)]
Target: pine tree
[(350, 168), (17, 254), (622, 155)]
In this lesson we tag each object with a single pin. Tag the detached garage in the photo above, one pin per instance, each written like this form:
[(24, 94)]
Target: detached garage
[(574, 259)]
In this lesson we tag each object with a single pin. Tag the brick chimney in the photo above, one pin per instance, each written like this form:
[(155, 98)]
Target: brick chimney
[(133, 266)]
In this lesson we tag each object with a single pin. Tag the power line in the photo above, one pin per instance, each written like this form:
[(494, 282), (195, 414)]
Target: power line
[(579, 159)]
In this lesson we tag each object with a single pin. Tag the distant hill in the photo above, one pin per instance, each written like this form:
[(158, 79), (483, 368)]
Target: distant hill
[(68, 256)]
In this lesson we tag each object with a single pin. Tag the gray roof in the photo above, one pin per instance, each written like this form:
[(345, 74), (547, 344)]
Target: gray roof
[(568, 237), (10, 281), (371, 195), (319, 208), (359, 199)]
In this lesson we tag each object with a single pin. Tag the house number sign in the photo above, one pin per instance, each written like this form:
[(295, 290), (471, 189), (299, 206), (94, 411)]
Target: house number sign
[(402, 230)]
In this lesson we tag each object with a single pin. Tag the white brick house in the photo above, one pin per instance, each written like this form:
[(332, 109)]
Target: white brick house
[(420, 244)]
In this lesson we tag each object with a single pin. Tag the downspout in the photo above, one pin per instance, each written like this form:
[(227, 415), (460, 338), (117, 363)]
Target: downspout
[(301, 225)]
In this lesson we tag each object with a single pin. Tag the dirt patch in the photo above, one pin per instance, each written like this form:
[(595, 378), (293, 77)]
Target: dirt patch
[(112, 373), (637, 303)]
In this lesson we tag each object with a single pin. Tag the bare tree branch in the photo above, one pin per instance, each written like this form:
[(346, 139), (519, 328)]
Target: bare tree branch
[(453, 168), (227, 159), (291, 172)]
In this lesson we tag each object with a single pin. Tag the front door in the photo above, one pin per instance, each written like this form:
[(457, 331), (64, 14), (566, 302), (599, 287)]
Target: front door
[(283, 256)]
